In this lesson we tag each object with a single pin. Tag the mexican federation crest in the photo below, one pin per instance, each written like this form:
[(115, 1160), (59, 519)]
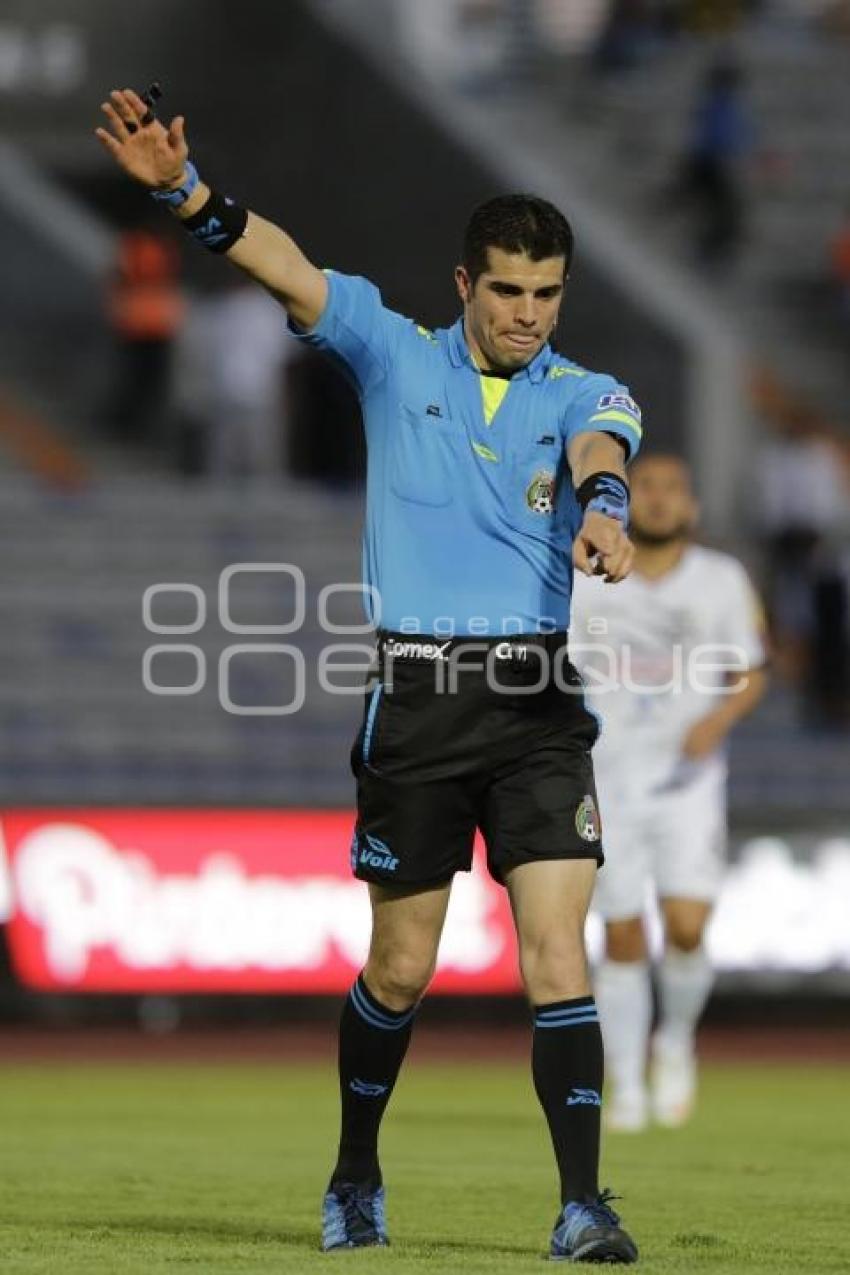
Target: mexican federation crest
[(587, 819), (540, 493)]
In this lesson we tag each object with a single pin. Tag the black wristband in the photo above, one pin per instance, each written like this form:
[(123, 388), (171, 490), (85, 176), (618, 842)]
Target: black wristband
[(605, 493), (219, 224)]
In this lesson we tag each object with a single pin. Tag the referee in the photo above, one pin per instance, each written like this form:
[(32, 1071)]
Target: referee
[(494, 465)]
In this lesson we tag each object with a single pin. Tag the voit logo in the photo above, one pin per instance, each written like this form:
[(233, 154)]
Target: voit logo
[(372, 852), (588, 824)]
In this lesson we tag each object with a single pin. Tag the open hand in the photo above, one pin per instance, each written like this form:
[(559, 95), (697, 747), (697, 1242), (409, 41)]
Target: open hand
[(151, 154), (603, 548)]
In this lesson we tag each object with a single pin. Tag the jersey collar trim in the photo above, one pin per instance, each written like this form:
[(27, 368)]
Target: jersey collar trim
[(459, 355)]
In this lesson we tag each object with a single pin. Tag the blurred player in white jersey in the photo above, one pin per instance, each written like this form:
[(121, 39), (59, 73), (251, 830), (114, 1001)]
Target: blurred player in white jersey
[(649, 652)]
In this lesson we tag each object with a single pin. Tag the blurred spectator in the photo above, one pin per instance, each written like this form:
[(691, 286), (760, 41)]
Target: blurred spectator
[(232, 363), (710, 178), (803, 500), (628, 35), (840, 262), (522, 49), (464, 42), (325, 443), (571, 26), (145, 309)]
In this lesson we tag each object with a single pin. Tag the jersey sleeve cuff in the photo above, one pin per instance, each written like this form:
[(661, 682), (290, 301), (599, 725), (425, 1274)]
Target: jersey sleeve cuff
[(321, 328), (621, 424), (628, 434)]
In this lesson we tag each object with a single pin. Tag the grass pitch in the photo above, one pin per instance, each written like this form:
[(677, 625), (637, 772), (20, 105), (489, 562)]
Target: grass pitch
[(219, 1168)]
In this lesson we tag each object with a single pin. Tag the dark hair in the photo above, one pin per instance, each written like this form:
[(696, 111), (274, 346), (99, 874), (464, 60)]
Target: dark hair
[(516, 223)]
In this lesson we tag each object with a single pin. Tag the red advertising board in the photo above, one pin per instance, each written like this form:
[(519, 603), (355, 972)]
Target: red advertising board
[(216, 901)]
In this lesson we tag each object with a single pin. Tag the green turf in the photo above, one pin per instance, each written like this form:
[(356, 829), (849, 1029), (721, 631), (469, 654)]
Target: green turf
[(131, 1168)]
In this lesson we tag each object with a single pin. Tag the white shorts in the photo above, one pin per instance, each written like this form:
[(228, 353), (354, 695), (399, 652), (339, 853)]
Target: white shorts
[(673, 841)]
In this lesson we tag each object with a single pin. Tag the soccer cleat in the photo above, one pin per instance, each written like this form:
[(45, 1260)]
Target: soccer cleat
[(674, 1083), (591, 1233), (626, 1111), (353, 1217)]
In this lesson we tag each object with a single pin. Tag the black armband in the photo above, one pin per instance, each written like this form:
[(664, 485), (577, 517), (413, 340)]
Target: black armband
[(607, 494), (219, 224)]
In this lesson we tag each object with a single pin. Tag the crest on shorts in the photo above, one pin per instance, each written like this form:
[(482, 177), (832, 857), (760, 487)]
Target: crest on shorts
[(588, 825), (540, 493)]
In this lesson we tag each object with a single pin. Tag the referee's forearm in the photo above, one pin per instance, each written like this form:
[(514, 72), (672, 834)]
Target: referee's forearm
[(594, 453), (257, 250), (269, 255), (272, 258)]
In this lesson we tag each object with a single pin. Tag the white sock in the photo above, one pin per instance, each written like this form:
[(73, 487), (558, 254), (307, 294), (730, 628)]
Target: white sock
[(685, 980), (624, 1000)]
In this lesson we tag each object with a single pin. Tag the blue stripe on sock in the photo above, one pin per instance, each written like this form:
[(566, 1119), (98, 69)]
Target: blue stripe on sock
[(374, 1017), (591, 1017), (367, 1011), (560, 1018), (561, 1014), (368, 1016), (565, 1018), (560, 1011)]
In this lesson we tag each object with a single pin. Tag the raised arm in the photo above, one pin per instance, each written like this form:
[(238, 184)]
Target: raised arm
[(157, 157)]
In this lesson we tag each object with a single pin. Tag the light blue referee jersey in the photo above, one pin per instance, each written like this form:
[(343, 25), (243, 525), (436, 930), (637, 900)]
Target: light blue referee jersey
[(470, 507)]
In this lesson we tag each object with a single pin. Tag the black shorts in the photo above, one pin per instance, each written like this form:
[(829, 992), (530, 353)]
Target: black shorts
[(472, 733)]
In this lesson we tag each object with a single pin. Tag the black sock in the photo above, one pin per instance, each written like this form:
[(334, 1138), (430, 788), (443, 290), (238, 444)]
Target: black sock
[(372, 1043), (567, 1067)]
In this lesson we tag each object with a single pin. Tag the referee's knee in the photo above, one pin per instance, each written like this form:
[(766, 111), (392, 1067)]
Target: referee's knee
[(398, 979), (554, 970)]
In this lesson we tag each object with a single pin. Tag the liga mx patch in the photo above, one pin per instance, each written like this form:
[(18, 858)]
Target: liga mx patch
[(540, 493), (588, 825), (621, 402)]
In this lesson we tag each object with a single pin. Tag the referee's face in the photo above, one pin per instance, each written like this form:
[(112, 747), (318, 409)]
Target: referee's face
[(510, 311)]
